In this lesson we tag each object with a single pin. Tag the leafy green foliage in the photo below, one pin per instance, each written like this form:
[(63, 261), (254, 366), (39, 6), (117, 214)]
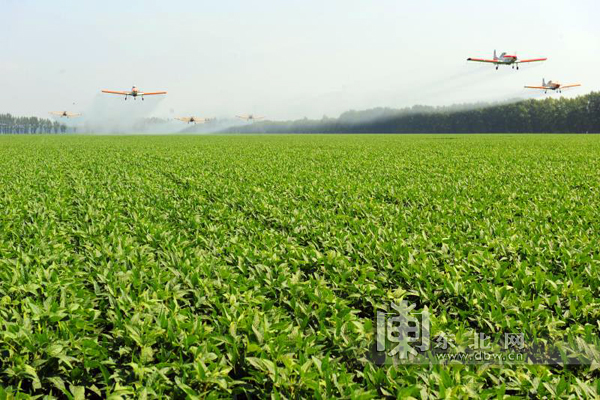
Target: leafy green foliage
[(216, 266)]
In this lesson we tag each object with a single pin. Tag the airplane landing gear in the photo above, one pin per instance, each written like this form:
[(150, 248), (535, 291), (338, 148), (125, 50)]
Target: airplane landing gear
[(496, 68)]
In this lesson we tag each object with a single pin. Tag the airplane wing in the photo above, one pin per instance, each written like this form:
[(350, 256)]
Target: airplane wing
[(537, 87), (570, 86), (242, 117), (151, 93), (72, 115), (184, 119), (531, 60), (113, 92), (259, 118), (59, 113), (483, 60)]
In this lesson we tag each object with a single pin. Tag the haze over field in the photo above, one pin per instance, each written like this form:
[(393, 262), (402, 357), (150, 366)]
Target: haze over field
[(285, 60)]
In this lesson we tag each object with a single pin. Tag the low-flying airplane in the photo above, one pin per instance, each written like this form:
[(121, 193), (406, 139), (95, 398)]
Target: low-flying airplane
[(195, 120), (506, 59), (250, 117), (552, 86), (65, 114), (134, 92)]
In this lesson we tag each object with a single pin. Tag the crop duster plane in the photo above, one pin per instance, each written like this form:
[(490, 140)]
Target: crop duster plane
[(250, 117), (65, 114), (555, 86), (195, 120), (134, 92), (506, 59)]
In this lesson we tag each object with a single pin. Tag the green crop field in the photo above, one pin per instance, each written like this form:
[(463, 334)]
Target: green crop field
[(216, 266)]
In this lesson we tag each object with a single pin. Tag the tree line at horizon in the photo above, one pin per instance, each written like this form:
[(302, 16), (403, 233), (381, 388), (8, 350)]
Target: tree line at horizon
[(576, 115), (10, 124)]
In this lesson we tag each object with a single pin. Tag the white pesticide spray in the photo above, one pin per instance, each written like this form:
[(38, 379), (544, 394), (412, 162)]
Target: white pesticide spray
[(109, 114)]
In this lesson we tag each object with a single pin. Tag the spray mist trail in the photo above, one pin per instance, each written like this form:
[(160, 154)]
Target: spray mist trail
[(115, 115)]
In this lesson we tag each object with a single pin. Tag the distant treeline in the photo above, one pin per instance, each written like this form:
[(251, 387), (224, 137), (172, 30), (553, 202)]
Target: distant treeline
[(29, 125), (562, 115)]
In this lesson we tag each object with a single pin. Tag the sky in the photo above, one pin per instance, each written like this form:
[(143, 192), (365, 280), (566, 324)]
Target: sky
[(285, 59)]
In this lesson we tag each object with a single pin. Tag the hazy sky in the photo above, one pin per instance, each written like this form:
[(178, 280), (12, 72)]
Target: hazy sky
[(287, 58)]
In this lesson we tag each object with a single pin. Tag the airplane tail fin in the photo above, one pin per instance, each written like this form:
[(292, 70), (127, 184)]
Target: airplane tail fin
[(495, 56), (543, 81)]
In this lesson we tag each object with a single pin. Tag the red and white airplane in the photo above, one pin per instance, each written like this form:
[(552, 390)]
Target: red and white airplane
[(506, 59), (134, 92), (65, 114), (552, 86), (195, 120), (250, 117)]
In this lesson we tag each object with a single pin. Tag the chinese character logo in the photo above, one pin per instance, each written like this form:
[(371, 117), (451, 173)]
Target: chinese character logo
[(514, 341), (400, 333)]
